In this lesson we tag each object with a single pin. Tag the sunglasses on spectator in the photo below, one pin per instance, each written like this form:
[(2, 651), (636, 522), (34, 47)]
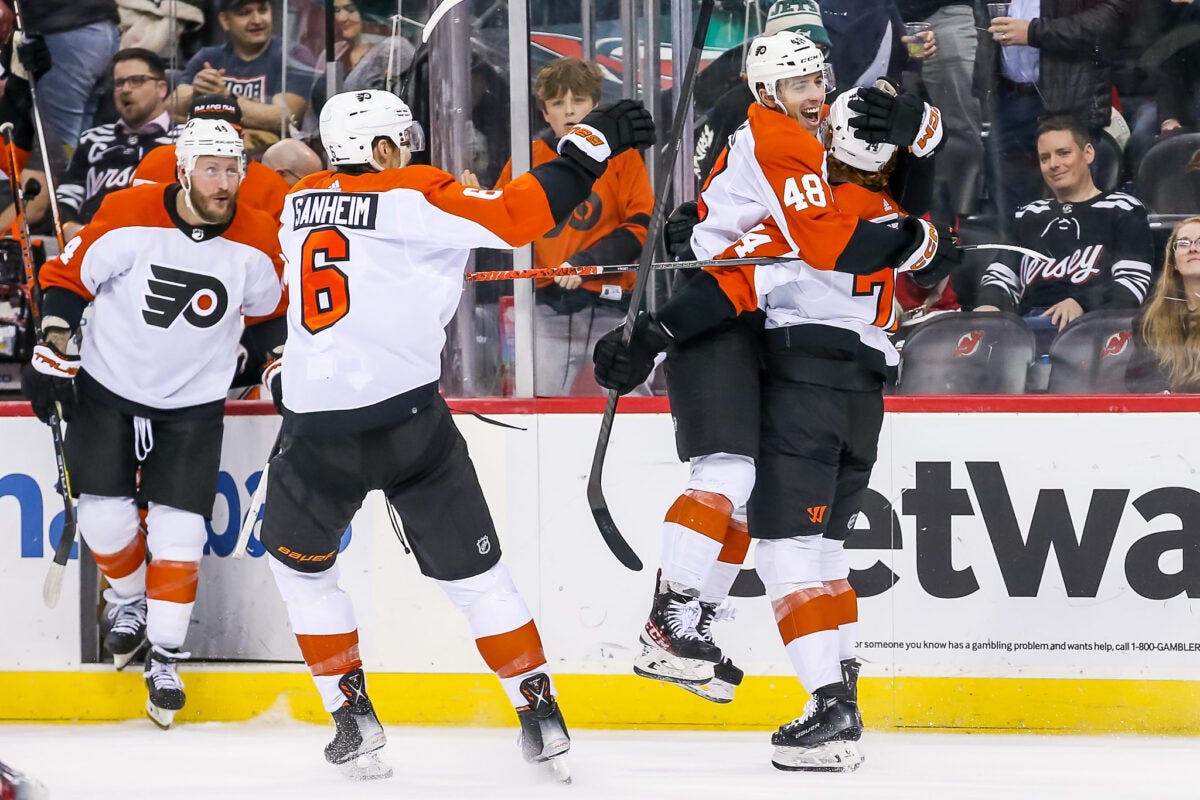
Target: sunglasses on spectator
[(1186, 244), (134, 81)]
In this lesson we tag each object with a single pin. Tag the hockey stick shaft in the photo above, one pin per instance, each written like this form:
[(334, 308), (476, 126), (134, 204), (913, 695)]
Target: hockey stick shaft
[(1025, 251), (256, 503), (612, 269), (665, 169)]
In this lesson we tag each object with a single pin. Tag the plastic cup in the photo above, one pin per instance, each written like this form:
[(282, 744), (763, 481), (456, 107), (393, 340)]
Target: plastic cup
[(997, 10), (918, 32)]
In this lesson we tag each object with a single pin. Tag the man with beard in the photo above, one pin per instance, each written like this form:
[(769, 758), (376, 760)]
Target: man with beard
[(169, 271)]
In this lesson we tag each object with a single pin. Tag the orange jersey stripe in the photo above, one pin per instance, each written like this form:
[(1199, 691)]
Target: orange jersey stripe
[(330, 653), (125, 561), (800, 614), (514, 652), (737, 543), (698, 511), (172, 581)]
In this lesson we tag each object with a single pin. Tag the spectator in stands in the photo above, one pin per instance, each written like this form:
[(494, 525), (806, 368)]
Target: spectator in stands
[(249, 66), (1054, 57), (1166, 332), (292, 160), (83, 38), (158, 26), (262, 188), (108, 154), (607, 228), (1099, 242)]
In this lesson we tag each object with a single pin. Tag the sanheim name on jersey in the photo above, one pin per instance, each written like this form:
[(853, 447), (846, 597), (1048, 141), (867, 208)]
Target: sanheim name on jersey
[(346, 210)]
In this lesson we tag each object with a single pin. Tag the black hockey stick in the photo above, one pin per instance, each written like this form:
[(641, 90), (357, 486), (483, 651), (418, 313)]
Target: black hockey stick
[(595, 489)]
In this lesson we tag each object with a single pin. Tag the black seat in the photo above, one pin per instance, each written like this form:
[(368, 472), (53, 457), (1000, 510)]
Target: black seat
[(967, 353), (1168, 180), (1106, 167), (1089, 356)]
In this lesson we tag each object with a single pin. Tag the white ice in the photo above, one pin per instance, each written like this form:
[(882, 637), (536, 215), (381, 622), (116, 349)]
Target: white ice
[(269, 759)]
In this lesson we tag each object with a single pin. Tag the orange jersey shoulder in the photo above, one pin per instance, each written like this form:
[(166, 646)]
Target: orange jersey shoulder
[(157, 166), (864, 203)]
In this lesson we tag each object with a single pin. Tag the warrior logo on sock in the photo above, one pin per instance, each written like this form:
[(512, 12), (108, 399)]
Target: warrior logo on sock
[(201, 299)]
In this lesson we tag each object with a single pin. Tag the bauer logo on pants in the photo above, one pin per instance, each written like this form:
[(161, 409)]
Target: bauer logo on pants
[(201, 299)]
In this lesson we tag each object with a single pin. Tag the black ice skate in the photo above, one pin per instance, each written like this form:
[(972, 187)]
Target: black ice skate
[(359, 735), (825, 739), (127, 627), (164, 685), (726, 675), (850, 669), (19, 786), (544, 738), (672, 649)]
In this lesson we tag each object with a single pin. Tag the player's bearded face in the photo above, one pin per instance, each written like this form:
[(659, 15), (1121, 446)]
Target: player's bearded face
[(802, 99), (214, 188)]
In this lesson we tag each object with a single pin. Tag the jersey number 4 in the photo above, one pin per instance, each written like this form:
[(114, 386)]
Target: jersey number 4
[(324, 288)]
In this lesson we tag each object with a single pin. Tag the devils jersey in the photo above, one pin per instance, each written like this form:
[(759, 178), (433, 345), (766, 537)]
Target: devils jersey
[(262, 188), (1101, 249), (167, 297), (374, 269)]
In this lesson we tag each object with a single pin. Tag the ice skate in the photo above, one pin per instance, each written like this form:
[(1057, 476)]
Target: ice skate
[(127, 627), (850, 669), (544, 738), (17, 785), (359, 736), (164, 685), (824, 739), (726, 675), (672, 649)]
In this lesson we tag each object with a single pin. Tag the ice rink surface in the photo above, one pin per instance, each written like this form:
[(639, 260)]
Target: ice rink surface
[(282, 760)]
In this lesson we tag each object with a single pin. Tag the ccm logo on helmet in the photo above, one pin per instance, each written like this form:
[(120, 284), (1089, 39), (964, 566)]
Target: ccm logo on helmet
[(201, 299)]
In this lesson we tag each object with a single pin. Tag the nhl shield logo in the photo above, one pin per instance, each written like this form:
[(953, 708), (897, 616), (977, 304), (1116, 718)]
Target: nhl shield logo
[(484, 545)]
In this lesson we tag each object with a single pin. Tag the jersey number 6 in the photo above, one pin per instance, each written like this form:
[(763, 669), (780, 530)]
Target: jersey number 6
[(324, 289)]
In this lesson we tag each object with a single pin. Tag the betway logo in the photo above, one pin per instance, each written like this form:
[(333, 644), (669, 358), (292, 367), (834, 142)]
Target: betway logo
[(1083, 549)]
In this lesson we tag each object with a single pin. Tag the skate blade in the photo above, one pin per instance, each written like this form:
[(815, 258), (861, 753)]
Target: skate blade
[(828, 757), (121, 660), (715, 691), (659, 665), (162, 717), (367, 767), (558, 769)]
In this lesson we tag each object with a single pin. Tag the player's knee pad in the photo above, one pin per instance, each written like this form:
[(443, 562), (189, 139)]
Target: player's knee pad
[(315, 602), (725, 474), (835, 564), (490, 601), (174, 534), (303, 587), (790, 565), (108, 524)]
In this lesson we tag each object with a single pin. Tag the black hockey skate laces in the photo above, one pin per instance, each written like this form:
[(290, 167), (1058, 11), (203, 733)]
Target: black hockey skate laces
[(162, 667)]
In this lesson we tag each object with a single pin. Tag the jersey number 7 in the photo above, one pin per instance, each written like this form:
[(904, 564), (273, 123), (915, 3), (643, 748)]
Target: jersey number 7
[(324, 289)]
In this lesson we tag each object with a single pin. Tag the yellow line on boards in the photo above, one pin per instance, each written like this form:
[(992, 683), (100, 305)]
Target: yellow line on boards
[(626, 701)]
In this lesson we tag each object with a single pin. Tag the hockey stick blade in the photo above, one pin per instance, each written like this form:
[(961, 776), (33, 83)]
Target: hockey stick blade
[(595, 496), (256, 503), (52, 586), (436, 17)]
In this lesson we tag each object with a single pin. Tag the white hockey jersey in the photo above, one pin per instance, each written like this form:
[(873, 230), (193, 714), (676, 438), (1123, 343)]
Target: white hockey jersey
[(168, 299), (374, 269)]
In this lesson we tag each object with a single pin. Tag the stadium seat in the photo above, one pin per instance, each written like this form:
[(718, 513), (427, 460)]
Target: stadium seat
[(967, 353), (1091, 353), (1168, 180), (1106, 168)]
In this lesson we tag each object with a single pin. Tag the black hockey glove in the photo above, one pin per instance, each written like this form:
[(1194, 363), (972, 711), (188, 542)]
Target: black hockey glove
[(607, 131), (679, 231), (48, 379), (903, 120), (624, 367), (33, 57), (272, 379), (933, 254)]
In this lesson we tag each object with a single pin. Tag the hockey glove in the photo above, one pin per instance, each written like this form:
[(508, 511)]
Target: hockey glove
[(32, 56), (933, 254), (679, 231), (903, 120), (272, 379), (607, 131), (624, 367), (49, 379)]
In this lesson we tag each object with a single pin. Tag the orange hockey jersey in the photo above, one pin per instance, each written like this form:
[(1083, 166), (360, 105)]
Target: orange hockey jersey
[(616, 213), (262, 188)]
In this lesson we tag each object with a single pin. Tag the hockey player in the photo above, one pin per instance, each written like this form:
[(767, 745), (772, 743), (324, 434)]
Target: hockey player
[(375, 253), (169, 271), (772, 169)]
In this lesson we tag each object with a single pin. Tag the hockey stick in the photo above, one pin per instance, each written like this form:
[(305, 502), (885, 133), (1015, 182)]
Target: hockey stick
[(613, 269), (436, 17), (256, 503), (595, 489), (52, 587), (1012, 247)]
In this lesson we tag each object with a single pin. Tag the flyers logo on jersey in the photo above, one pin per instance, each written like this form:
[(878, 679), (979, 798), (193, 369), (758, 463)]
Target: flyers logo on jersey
[(968, 343), (1116, 344), (201, 299)]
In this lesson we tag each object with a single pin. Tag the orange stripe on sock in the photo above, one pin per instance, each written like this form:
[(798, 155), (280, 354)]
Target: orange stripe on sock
[(706, 513), (846, 607), (737, 543), (801, 613), (330, 653), (173, 581), (514, 652), (125, 561)]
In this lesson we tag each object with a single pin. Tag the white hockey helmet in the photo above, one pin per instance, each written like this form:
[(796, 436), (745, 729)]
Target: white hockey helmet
[(843, 145), (207, 137), (786, 54), (352, 121)]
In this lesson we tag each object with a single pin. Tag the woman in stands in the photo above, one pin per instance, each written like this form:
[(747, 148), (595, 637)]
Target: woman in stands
[(1167, 332)]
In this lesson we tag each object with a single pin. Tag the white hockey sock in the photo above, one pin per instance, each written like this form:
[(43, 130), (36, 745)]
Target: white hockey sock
[(814, 657)]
